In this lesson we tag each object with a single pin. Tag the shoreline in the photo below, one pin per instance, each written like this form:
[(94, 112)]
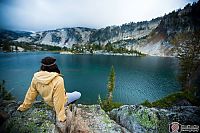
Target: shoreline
[(106, 53), (112, 54)]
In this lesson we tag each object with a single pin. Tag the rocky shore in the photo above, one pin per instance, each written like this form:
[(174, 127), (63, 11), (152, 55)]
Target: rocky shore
[(102, 53), (92, 119)]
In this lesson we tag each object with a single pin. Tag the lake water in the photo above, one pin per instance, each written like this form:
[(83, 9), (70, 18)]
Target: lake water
[(137, 78)]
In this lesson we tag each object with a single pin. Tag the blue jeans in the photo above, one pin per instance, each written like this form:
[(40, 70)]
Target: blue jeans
[(73, 97)]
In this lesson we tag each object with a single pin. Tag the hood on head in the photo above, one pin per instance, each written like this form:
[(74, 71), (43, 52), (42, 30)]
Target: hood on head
[(45, 77)]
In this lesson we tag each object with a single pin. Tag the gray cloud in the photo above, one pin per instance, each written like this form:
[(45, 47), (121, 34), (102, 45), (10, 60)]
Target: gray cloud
[(34, 15)]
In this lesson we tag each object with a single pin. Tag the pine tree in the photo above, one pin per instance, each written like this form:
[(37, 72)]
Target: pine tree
[(111, 84), (189, 57), (107, 104)]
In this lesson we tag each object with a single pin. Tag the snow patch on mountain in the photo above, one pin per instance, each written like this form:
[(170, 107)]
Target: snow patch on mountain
[(24, 39)]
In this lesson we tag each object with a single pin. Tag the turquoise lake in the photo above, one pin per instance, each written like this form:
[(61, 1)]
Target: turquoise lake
[(137, 78)]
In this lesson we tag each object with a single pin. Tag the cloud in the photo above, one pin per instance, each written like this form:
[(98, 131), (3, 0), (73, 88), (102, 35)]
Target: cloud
[(51, 14)]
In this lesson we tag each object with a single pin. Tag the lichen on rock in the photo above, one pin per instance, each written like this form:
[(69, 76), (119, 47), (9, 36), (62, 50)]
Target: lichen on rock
[(138, 118), (41, 118), (93, 119), (97, 120)]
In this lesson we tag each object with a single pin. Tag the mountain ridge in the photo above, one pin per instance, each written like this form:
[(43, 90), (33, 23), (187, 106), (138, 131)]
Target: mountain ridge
[(152, 37)]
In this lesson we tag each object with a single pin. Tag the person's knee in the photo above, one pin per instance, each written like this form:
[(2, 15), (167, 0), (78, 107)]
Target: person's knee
[(78, 94)]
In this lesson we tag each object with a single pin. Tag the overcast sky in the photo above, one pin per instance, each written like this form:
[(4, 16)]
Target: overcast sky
[(37, 15)]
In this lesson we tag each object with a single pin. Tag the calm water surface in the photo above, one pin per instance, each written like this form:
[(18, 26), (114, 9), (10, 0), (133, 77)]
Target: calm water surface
[(137, 78)]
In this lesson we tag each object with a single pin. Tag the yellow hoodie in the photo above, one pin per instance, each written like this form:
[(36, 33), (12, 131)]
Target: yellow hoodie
[(50, 85)]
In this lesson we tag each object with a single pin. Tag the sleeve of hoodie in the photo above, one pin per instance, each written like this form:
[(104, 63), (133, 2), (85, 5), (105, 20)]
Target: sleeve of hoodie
[(29, 98), (59, 99)]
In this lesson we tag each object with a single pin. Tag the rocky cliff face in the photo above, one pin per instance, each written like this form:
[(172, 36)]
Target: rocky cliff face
[(150, 37), (92, 119), (66, 37)]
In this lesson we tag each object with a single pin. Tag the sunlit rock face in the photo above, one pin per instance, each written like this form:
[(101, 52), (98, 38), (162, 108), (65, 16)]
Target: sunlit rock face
[(41, 118)]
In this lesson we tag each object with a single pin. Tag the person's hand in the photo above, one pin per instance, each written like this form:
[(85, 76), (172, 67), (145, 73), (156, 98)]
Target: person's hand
[(19, 111), (63, 121), (61, 125)]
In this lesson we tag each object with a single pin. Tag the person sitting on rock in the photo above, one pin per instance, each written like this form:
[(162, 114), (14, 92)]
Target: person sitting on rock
[(49, 83)]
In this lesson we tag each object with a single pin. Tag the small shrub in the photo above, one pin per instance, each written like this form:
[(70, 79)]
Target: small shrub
[(4, 94), (146, 103), (108, 106), (169, 100)]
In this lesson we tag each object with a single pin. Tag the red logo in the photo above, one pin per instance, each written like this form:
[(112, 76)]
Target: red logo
[(174, 127)]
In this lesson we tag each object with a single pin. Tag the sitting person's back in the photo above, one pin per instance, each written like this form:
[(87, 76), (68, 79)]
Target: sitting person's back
[(50, 85)]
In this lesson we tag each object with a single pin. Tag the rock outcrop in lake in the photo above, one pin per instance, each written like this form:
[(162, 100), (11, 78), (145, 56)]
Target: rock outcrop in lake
[(92, 119)]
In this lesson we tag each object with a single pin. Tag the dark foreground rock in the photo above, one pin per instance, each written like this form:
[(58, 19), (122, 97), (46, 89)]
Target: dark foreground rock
[(41, 118), (92, 119), (141, 119)]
